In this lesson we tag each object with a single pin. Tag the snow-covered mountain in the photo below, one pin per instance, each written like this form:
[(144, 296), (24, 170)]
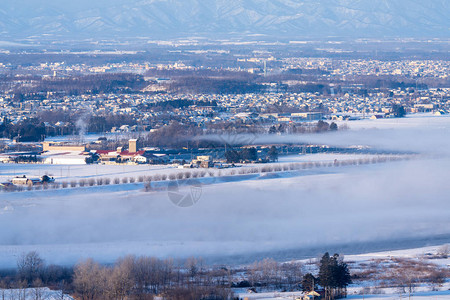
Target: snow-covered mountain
[(311, 18)]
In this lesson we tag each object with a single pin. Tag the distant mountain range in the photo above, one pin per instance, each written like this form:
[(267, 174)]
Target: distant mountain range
[(209, 18)]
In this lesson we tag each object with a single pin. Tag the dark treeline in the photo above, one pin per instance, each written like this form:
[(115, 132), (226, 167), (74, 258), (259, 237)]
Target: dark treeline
[(236, 83), (309, 88), (250, 154), (307, 71), (101, 124), (174, 134), (31, 130), (246, 154), (178, 135), (77, 85), (200, 85), (210, 81), (179, 103), (320, 126), (105, 83), (35, 130)]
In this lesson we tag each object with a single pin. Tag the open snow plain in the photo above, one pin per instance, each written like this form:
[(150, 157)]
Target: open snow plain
[(350, 209)]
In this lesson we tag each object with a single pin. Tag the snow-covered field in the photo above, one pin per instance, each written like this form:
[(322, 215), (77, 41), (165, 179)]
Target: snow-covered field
[(70, 172), (361, 208), (33, 293), (417, 296), (73, 172), (297, 295), (283, 296), (414, 253)]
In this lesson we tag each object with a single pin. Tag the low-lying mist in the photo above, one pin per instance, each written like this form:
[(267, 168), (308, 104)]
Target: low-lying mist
[(334, 206)]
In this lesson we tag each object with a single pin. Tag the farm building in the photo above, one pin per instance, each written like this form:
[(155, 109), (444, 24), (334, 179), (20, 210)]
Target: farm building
[(65, 157), (23, 180)]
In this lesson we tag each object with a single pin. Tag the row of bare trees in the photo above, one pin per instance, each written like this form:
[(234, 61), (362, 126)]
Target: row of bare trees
[(193, 173), (144, 277)]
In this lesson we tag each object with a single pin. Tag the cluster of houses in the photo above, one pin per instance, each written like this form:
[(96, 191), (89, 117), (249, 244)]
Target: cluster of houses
[(229, 107), (26, 181), (65, 153), (352, 67)]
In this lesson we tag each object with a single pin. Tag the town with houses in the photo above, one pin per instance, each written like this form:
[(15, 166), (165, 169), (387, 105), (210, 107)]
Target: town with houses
[(345, 99), (277, 108)]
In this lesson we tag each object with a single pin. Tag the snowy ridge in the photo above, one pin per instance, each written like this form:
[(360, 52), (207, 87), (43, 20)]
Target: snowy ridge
[(317, 18)]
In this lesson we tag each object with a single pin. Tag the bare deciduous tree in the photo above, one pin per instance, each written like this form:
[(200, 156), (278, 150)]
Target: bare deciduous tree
[(121, 281), (30, 266), (89, 280)]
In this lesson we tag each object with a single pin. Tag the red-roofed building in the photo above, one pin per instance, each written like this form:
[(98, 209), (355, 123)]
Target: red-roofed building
[(139, 156)]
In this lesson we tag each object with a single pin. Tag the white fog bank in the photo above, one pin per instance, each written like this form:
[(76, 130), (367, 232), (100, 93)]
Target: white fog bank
[(345, 205)]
